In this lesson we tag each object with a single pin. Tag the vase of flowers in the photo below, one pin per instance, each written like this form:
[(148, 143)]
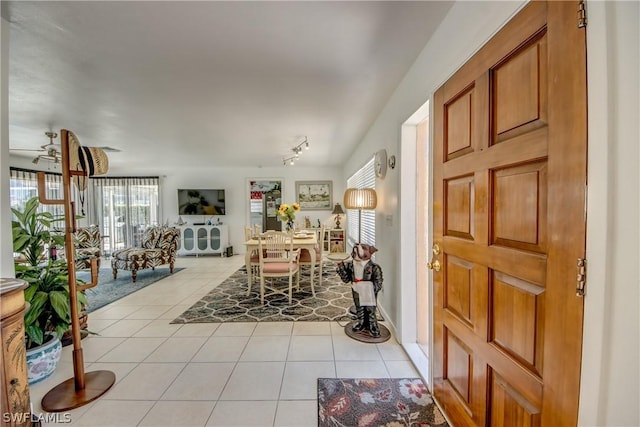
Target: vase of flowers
[(287, 214)]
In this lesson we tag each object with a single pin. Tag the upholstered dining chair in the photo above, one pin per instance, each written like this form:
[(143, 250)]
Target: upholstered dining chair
[(305, 257), (277, 259)]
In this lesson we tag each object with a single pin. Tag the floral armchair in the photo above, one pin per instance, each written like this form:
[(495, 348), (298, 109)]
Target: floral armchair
[(88, 244), (159, 246)]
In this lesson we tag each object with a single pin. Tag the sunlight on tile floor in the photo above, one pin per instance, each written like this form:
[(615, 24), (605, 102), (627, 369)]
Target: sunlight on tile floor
[(229, 374)]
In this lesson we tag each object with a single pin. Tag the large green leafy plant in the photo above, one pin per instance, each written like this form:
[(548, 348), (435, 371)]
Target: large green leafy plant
[(32, 233), (48, 279)]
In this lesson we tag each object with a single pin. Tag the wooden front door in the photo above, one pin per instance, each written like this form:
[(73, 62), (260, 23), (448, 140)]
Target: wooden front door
[(509, 225)]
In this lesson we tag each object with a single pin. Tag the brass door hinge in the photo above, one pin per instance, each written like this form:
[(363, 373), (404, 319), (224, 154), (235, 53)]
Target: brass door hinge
[(582, 14), (582, 276)]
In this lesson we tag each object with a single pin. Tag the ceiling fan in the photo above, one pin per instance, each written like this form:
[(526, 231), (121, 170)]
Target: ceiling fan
[(51, 151)]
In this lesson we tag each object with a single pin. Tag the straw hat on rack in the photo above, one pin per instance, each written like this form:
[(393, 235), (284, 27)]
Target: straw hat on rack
[(91, 160)]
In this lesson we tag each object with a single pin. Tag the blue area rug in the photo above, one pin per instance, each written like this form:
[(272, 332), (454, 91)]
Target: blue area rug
[(109, 290)]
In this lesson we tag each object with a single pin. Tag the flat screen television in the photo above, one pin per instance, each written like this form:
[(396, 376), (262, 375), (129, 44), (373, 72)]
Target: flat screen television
[(201, 202)]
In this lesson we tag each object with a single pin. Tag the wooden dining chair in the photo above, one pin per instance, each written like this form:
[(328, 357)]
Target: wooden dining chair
[(277, 259), (305, 257), (254, 258)]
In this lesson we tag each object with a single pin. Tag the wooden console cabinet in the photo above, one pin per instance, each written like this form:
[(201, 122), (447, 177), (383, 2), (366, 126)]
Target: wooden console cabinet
[(13, 375), (203, 239)]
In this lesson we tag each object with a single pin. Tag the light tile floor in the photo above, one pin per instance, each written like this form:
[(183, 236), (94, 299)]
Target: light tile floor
[(213, 374)]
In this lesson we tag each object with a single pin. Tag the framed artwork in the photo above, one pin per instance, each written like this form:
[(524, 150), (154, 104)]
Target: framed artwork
[(315, 195)]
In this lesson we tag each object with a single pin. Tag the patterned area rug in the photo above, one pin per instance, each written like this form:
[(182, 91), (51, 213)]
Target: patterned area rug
[(389, 402), (228, 302), (109, 290)]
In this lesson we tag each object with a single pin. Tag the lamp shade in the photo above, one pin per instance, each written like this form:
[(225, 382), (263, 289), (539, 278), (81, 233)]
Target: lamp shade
[(360, 198), (337, 209)]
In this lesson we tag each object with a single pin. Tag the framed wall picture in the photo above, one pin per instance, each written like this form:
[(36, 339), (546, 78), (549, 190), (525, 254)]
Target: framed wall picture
[(315, 195)]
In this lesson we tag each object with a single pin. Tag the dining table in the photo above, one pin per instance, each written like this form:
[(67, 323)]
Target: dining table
[(307, 241)]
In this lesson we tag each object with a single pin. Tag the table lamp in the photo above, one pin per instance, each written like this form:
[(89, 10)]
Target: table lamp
[(337, 211)]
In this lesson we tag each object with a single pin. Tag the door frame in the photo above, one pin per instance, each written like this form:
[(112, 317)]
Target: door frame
[(247, 195), (603, 350), (408, 261)]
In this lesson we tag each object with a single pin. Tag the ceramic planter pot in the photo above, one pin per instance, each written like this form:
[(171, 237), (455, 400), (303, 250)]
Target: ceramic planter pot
[(43, 360)]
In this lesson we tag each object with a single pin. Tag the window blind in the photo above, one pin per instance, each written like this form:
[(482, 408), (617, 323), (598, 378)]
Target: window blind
[(365, 177)]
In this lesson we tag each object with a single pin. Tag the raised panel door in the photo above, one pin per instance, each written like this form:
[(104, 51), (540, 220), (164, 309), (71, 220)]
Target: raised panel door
[(509, 197)]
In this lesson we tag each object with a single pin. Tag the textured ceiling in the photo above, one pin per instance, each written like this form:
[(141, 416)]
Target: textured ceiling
[(209, 83)]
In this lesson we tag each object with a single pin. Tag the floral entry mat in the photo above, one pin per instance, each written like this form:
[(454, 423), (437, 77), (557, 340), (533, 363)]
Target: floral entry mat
[(389, 402)]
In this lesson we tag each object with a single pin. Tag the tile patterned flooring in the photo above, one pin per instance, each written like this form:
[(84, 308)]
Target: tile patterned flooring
[(213, 374)]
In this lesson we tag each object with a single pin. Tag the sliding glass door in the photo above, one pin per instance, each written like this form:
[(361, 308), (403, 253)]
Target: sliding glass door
[(121, 207), (125, 208)]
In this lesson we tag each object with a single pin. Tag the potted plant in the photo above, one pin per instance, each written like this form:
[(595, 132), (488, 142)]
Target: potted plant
[(48, 314)]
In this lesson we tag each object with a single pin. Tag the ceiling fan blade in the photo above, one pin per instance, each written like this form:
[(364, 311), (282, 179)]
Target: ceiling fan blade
[(51, 150), (108, 149), (33, 150)]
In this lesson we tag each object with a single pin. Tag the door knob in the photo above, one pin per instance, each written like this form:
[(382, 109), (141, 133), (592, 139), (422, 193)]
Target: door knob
[(434, 265)]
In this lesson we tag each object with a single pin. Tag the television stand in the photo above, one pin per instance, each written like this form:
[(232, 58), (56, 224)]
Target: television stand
[(200, 239)]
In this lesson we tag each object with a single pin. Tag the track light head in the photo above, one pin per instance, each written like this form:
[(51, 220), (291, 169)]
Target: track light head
[(296, 152)]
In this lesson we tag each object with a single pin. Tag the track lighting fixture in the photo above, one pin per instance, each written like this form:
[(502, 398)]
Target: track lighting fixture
[(296, 152)]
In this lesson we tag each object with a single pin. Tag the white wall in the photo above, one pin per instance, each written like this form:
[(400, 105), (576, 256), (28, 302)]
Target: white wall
[(461, 33), (6, 253), (609, 390), (236, 185), (610, 378)]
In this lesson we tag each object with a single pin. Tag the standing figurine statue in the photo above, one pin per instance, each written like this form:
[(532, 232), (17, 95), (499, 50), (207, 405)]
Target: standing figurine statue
[(365, 277)]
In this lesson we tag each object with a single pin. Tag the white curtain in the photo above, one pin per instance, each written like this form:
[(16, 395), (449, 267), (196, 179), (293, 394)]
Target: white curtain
[(365, 177), (124, 207), (23, 186)]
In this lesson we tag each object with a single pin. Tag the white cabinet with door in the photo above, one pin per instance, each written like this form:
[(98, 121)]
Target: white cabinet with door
[(334, 239), (203, 239)]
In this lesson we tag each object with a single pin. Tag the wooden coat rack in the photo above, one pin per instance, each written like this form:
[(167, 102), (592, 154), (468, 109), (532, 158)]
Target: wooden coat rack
[(83, 387)]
